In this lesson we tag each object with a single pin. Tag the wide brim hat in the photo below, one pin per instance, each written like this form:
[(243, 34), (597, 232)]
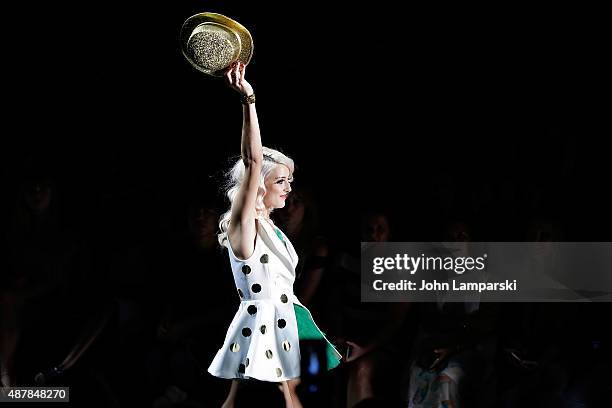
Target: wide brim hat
[(212, 42)]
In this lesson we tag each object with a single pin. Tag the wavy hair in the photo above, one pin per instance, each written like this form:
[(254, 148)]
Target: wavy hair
[(234, 179)]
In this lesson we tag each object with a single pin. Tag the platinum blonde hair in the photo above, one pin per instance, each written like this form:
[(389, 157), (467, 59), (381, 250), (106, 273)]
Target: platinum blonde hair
[(235, 178)]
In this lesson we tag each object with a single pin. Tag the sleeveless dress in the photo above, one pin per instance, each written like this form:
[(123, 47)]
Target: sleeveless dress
[(262, 341)]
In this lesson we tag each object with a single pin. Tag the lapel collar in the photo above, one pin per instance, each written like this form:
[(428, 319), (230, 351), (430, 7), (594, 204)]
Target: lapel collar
[(289, 247), (274, 243)]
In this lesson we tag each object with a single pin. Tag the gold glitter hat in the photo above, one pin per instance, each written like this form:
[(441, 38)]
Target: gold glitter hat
[(211, 42)]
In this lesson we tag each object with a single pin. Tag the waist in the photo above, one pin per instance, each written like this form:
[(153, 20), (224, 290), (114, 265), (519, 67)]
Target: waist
[(281, 299)]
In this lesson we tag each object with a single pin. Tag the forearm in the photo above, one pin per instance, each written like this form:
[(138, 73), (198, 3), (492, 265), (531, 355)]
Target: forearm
[(251, 147)]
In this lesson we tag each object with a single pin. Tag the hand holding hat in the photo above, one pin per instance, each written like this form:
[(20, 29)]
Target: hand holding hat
[(212, 43), (235, 78)]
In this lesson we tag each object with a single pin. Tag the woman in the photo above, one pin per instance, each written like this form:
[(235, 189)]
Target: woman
[(263, 339)]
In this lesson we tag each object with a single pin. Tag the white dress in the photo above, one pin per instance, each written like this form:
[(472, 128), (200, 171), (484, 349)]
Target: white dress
[(262, 341)]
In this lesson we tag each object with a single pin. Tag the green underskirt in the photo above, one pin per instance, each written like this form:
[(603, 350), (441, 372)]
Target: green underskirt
[(307, 330)]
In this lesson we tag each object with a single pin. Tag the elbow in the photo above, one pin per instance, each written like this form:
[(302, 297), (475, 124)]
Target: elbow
[(252, 160), (252, 165)]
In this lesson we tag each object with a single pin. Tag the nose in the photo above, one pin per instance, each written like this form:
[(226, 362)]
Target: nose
[(287, 187)]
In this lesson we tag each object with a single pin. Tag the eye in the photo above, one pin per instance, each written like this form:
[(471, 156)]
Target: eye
[(281, 181)]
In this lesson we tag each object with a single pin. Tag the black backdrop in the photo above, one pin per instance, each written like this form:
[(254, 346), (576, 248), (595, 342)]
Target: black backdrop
[(379, 107), (430, 115)]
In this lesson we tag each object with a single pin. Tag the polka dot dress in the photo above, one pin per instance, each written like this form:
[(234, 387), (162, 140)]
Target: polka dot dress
[(262, 341)]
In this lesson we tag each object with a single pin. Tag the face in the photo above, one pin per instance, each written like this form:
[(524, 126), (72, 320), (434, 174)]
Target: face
[(278, 186), (376, 229), (38, 196), (458, 232), (204, 224)]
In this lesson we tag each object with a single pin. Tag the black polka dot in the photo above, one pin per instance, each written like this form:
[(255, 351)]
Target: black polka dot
[(284, 298), (246, 269), (262, 329), (246, 363), (252, 309), (282, 323), (256, 288), (246, 332), (264, 258)]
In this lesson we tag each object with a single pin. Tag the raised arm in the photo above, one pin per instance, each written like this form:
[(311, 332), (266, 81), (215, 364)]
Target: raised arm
[(242, 229)]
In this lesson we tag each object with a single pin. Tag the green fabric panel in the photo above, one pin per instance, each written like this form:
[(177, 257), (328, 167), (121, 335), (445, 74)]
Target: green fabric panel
[(279, 235), (307, 330)]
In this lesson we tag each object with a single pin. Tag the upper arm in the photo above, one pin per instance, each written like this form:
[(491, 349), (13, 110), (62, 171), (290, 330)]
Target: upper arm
[(242, 229)]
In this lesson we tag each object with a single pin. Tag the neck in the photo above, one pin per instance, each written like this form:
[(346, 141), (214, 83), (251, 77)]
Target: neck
[(266, 213)]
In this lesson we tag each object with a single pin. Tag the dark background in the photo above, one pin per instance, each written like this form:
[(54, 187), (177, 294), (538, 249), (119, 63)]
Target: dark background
[(494, 117), (379, 108)]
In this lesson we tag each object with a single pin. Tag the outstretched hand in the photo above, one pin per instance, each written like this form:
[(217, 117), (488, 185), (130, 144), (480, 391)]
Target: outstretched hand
[(235, 78)]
